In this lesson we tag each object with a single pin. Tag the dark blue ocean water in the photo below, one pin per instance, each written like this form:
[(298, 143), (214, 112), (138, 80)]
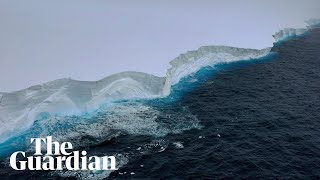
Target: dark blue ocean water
[(259, 120)]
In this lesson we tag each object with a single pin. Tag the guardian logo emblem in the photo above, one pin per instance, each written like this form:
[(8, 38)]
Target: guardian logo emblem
[(62, 157)]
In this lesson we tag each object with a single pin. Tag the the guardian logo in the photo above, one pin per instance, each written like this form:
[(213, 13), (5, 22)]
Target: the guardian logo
[(62, 158)]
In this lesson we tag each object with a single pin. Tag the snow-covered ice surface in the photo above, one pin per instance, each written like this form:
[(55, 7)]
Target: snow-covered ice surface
[(291, 32), (89, 113), (19, 110), (193, 61), (288, 32)]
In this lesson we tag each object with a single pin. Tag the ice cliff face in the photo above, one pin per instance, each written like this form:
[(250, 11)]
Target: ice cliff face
[(1, 95), (288, 32), (18, 110), (193, 61), (291, 32), (311, 23)]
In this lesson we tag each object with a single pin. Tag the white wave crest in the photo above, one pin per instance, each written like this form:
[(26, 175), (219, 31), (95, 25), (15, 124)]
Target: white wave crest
[(127, 118)]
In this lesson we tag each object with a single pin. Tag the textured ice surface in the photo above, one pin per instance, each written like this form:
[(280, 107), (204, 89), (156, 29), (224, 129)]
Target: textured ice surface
[(313, 23), (288, 32), (291, 32), (18, 110), (192, 61)]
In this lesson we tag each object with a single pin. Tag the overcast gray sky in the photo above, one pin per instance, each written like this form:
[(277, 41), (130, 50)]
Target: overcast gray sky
[(44, 40)]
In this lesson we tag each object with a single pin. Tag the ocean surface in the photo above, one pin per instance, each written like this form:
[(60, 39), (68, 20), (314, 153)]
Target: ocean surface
[(256, 119)]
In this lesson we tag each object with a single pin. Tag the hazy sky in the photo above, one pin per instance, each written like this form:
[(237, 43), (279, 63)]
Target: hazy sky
[(44, 40)]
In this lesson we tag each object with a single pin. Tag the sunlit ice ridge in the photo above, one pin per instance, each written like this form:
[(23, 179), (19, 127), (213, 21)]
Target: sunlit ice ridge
[(21, 111)]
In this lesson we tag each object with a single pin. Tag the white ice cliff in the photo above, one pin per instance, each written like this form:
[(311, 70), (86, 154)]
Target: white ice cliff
[(288, 32), (192, 61), (291, 32), (18, 110)]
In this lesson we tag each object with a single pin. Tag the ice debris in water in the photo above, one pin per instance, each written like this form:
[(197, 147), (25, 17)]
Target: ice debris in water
[(91, 175), (162, 149), (158, 145), (128, 118), (178, 145)]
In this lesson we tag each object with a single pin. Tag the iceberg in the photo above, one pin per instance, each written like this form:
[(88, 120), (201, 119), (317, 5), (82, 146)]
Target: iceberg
[(20, 109)]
